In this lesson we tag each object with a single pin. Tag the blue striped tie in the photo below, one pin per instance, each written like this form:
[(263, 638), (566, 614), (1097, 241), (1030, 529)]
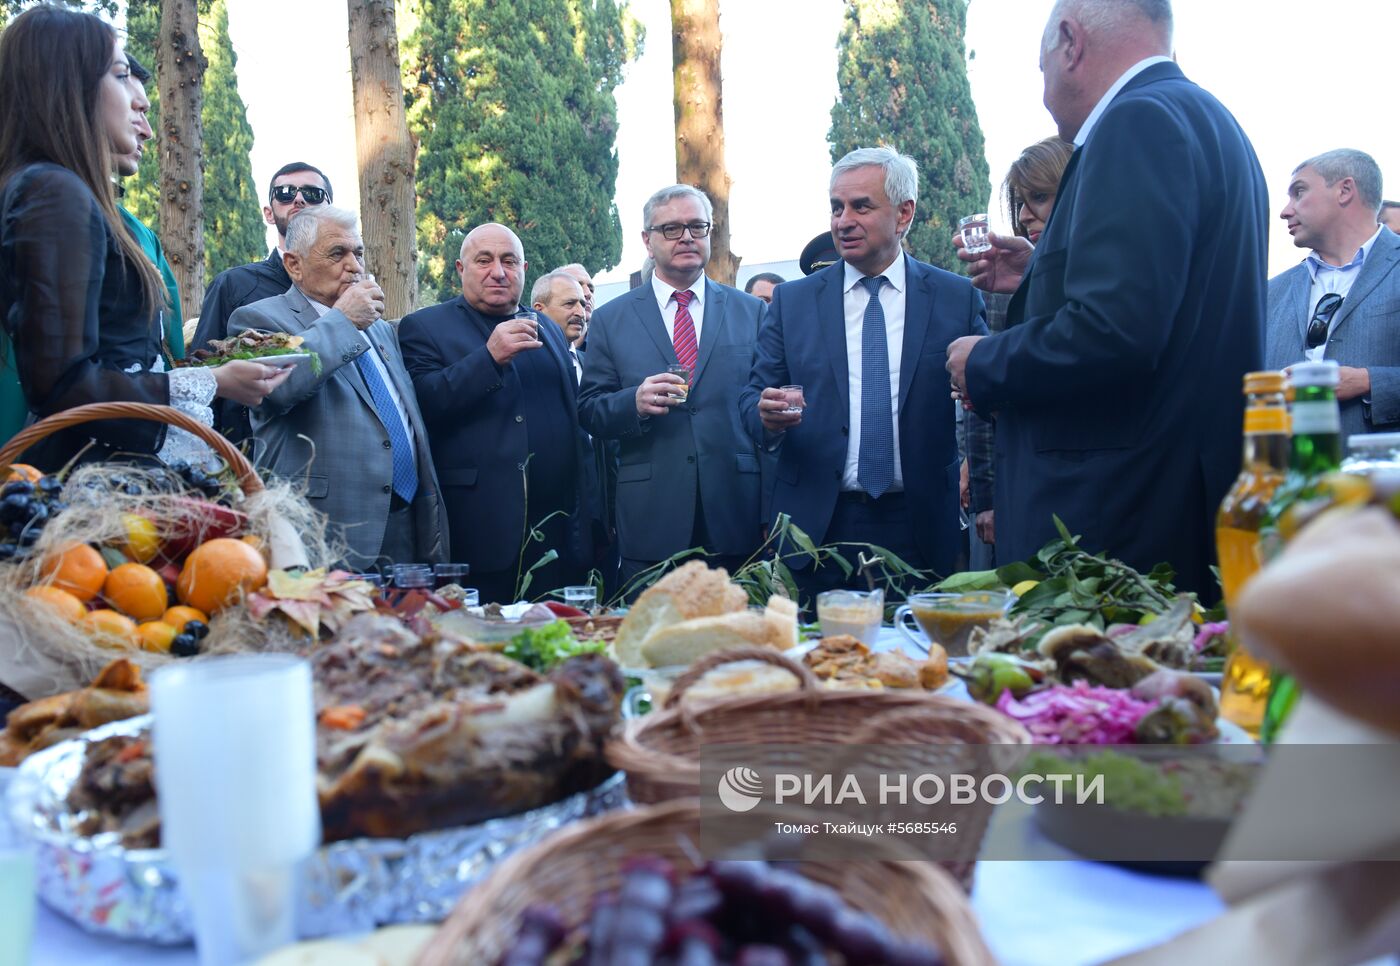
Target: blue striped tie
[(405, 473), (875, 470)]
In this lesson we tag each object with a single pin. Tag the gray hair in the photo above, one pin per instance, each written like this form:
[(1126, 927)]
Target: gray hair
[(901, 171), (1109, 17), (543, 289), (1349, 163), (305, 225), (671, 194)]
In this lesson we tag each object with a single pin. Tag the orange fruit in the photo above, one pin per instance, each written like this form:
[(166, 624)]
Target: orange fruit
[(23, 471), (111, 629), (180, 615), (137, 591), (156, 636), (78, 569), (253, 540), (218, 572), (142, 542), (69, 607)]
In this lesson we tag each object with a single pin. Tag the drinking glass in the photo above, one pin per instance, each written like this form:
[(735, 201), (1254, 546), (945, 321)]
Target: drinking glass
[(370, 578), (973, 229), (584, 597), (451, 573), (858, 613), (949, 619), (681, 392), (16, 888), (413, 575), (471, 597), (235, 772), (796, 401)]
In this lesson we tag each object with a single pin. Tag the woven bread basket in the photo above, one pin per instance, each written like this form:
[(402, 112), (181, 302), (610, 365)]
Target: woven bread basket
[(916, 900)]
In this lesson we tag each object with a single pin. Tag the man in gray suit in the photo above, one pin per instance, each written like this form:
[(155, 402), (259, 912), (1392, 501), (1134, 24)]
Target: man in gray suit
[(352, 429), (1343, 301), (688, 474)]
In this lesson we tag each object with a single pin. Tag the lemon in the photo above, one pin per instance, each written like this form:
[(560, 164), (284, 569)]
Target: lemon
[(1147, 618), (1024, 587), (142, 541)]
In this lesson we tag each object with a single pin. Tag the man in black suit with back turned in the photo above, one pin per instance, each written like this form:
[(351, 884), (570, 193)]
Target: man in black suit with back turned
[(499, 398), (295, 186), (1117, 381)]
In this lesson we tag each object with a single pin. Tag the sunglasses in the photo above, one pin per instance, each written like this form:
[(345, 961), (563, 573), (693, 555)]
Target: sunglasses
[(287, 193), (1327, 307), (697, 229)]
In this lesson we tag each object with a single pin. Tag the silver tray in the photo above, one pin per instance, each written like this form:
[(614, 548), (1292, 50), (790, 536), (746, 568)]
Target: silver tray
[(350, 886)]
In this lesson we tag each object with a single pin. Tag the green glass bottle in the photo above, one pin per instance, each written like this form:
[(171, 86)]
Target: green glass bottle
[(1317, 451)]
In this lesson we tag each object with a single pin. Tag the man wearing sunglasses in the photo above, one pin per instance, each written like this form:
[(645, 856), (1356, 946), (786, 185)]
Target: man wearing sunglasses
[(688, 474), (1343, 301), (295, 186)]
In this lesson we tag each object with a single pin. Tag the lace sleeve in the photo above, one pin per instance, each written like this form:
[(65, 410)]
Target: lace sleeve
[(191, 391)]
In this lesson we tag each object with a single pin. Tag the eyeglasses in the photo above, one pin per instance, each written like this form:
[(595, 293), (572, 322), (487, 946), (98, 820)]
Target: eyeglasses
[(287, 193), (697, 229), (1327, 307)]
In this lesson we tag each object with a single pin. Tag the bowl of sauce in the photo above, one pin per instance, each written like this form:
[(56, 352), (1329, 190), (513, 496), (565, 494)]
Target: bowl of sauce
[(949, 619)]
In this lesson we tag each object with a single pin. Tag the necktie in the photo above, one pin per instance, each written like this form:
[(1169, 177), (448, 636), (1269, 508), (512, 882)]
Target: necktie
[(684, 332), (875, 469), (405, 473)]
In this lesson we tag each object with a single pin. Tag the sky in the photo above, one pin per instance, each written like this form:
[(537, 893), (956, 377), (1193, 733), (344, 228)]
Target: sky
[(1301, 77)]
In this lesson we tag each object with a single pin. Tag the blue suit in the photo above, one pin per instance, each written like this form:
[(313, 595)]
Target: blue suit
[(1365, 332), (804, 343), (1117, 384)]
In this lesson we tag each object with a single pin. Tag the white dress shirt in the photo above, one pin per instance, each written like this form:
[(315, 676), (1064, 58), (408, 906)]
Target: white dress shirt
[(855, 299), (1111, 93), (667, 305), (578, 363), (1327, 279), (384, 377)]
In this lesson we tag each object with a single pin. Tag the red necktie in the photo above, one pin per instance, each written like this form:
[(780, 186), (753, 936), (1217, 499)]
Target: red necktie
[(684, 331)]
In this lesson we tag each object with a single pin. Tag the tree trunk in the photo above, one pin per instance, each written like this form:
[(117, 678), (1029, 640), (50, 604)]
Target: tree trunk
[(695, 50), (180, 66), (386, 155)]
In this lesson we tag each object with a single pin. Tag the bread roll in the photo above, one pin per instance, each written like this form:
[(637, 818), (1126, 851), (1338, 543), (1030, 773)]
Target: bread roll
[(689, 591), (683, 643)]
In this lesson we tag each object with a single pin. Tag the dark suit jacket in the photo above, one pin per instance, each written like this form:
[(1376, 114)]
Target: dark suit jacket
[(699, 446), (325, 428), (1364, 333), (804, 343), (1117, 383), (479, 438), (230, 290)]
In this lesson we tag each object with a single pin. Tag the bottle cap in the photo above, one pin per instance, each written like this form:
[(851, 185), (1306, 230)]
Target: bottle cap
[(1269, 381), (1373, 442), (1323, 373)]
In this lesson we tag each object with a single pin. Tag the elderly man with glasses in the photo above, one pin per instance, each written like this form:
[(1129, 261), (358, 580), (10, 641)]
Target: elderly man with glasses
[(295, 186), (1343, 301), (662, 376)]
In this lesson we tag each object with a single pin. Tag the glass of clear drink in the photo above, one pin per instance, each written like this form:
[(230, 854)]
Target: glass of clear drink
[(796, 401), (16, 888), (974, 233), (584, 597), (235, 772), (681, 392), (858, 613)]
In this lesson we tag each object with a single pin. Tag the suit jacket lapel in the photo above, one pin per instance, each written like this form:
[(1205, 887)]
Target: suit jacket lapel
[(831, 314), (918, 298), (560, 354), (1378, 264), (644, 304), (305, 315), (1299, 308), (710, 332)]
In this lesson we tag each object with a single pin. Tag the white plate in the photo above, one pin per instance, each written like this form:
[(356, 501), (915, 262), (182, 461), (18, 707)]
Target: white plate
[(283, 361)]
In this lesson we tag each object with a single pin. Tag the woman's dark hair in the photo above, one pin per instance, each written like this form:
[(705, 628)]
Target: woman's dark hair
[(1037, 170), (52, 63)]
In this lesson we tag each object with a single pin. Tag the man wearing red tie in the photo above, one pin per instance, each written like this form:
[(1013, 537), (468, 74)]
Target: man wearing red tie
[(688, 474)]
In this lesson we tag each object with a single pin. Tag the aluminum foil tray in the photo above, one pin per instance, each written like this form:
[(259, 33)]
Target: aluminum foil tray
[(350, 886)]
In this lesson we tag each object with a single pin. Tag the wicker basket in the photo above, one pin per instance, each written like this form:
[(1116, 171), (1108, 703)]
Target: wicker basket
[(660, 752), (568, 869), (43, 671)]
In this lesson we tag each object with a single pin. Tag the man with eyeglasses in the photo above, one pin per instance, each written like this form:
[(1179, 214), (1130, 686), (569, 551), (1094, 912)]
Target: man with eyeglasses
[(688, 475), (1343, 301), (295, 186)]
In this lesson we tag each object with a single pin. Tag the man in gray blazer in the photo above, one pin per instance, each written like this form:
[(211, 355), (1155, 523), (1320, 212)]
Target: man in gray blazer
[(351, 429), (1343, 301), (688, 474)]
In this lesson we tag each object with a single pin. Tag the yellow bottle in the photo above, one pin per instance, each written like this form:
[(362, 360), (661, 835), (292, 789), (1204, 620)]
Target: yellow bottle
[(1244, 688)]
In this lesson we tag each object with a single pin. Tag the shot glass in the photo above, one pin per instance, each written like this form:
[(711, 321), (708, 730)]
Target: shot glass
[(408, 576), (584, 597), (235, 772), (796, 401), (471, 597), (973, 229), (681, 392), (451, 573)]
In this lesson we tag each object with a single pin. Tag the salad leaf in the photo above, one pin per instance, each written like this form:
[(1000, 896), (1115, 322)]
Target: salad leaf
[(541, 648)]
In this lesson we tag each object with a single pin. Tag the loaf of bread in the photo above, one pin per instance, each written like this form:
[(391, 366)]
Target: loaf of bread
[(684, 642), (690, 591)]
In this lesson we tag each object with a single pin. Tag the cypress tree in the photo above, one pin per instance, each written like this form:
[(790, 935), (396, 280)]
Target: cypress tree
[(514, 111), (902, 79)]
